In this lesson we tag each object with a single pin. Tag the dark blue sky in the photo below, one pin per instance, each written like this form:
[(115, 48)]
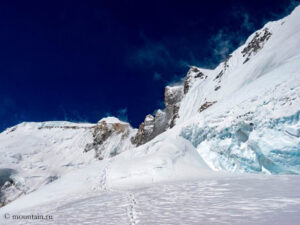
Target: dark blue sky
[(82, 60)]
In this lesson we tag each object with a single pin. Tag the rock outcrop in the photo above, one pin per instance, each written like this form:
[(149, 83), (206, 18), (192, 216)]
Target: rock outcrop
[(163, 119), (173, 96), (206, 105), (193, 74), (110, 137), (145, 132), (257, 43), (218, 78), (10, 187)]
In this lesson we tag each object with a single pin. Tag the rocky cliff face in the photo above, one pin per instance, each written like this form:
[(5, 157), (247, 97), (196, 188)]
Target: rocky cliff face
[(110, 137), (257, 43), (193, 75), (145, 132), (163, 119), (173, 96)]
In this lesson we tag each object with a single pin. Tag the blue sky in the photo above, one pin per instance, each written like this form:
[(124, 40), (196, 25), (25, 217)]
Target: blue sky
[(83, 60)]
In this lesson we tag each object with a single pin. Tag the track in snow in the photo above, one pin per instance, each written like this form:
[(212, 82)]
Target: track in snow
[(131, 212), (103, 179), (245, 199), (103, 175)]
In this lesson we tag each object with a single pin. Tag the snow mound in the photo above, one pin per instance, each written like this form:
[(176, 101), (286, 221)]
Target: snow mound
[(168, 157), (112, 119)]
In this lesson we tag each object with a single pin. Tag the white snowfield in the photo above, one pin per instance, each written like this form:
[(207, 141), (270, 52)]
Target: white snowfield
[(233, 156), (232, 199)]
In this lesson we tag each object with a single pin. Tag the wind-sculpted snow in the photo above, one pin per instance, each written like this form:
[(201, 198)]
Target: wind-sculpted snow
[(227, 199), (167, 157)]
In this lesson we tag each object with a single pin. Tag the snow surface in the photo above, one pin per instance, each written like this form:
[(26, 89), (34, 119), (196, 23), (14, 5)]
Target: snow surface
[(228, 199), (166, 158), (112, 119), (43, 152), (251, 126)]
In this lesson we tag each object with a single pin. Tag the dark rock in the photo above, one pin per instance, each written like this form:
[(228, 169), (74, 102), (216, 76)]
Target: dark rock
[(222, 72), (217, 88), (257, 43), (63, 127), (195, 69), (193, 74), (173, 95), (219, 75), (145, 131), (206, 105), (155, 125), (174, 115), (50, 179), (102, 132)]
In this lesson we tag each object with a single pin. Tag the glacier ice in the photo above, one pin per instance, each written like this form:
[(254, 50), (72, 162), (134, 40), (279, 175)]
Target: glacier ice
[(272, 145)]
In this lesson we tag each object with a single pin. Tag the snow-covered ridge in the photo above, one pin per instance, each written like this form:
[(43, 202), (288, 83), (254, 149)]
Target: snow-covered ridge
[(241, 117), (49, 125), (112, 119), (248, 103), (229, 77)]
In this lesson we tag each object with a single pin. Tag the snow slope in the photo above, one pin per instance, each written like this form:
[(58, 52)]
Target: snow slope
[(241, 117), (52, 164), (40, 153), (253, 123)]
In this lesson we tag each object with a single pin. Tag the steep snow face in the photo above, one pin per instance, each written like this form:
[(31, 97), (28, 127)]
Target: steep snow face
[(279, 52), (244, 116)]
